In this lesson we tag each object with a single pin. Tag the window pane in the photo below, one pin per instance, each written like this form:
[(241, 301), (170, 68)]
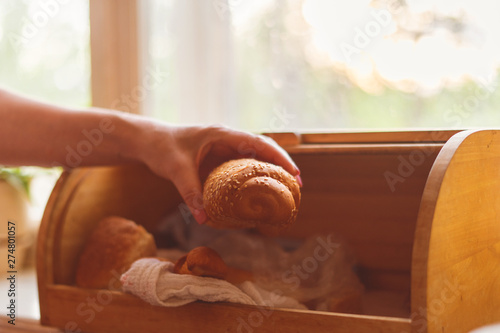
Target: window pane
[(158, 38), (323, 64), (44, 50)]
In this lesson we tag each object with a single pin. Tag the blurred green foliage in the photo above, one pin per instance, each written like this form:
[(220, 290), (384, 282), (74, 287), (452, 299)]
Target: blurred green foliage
[(17, 177)]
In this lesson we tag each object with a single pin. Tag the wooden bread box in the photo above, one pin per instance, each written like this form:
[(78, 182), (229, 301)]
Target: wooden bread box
[(420, 210)]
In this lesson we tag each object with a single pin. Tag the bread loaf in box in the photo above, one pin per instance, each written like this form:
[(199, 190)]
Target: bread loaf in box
[(110, 250)]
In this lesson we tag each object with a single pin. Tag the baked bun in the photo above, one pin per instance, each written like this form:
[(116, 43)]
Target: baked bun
[(110, 251), (247, 193), (203, 261)]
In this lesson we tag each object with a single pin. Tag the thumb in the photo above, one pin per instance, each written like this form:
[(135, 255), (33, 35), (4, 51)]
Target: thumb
[(188, 184)]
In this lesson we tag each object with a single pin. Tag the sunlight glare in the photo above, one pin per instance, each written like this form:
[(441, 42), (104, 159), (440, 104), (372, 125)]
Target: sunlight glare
[(435, 59)]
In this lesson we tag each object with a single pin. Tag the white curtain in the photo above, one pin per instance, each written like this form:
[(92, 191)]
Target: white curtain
[(204, 61)]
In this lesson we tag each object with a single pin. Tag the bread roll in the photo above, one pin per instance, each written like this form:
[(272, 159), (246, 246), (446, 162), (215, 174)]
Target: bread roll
[(110, 251), (203, 261), (247, 193)]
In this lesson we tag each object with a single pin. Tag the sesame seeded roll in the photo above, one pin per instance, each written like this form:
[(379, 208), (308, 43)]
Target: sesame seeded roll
[(247, 193)]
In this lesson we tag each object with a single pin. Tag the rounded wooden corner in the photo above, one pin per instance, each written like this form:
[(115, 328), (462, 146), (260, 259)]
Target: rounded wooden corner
[(82, 197), (456, 253), (49, 225)]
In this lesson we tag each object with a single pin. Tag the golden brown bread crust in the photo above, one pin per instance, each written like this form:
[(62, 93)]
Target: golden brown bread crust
[(247, 193), (110, 250), (203, 261)]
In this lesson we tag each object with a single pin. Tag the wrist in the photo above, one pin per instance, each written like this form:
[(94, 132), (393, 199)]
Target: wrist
[(138, 138), (127, 135)]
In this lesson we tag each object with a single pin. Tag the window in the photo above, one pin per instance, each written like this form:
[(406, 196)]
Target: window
[(44, 50), (321, 64)]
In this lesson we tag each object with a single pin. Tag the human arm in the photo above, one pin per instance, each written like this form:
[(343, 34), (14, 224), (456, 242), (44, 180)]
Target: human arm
[(34, 133)]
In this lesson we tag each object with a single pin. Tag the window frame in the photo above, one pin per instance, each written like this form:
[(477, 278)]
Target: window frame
[(114, 53)]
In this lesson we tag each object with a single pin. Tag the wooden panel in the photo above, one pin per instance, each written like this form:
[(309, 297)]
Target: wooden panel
[(363, 148), (285, 139), (104, 311), (374, 279), (349, 195), (114, 55), (292, 140), (379, 137), (456, 261)]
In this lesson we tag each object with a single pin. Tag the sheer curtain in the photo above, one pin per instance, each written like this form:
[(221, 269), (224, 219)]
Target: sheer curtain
[(200, 85)]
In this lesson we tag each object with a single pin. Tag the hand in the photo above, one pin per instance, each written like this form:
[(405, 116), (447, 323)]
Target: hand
[(192, 152)]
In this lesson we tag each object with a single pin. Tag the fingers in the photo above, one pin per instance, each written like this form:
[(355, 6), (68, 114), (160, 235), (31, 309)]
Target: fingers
[(277, 155), (296, 174), (251, 145), (202, 145), (274, 153), (192, 149), (186, 180)]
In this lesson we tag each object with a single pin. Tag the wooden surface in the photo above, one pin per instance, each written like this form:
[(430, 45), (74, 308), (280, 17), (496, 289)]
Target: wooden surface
[(456, 257), (27, 326), (109, 316), (114, 54)]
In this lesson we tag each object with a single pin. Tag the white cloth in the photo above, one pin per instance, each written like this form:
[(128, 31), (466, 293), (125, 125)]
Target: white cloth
[(154, 282)]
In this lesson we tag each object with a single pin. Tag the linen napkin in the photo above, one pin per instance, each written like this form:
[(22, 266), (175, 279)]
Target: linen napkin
[(153, 281)]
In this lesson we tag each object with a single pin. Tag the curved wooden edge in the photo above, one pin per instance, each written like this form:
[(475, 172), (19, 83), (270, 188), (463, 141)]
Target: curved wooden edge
[(80, 199), (424, 221), (454, 242), (49, 226)]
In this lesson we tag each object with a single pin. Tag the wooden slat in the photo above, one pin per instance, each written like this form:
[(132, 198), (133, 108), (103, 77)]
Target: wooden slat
[(69, 306), (114, 55), (285, 138), (362, 148), (291, 139), (423, 136)]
